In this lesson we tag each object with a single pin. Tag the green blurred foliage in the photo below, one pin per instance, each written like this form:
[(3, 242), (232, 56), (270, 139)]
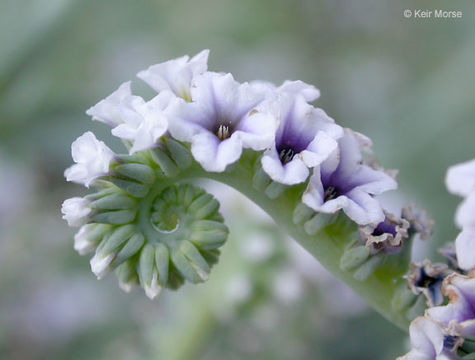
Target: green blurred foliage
[(408, 84)]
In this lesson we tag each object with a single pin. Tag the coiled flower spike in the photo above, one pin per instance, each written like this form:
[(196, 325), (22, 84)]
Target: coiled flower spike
[(149, 223)]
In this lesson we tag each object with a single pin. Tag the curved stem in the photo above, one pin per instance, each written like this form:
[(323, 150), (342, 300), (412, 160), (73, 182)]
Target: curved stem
[(327, 246)]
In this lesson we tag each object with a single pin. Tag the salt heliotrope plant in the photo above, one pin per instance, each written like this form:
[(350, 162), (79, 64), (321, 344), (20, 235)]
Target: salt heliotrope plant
[(149, 222)]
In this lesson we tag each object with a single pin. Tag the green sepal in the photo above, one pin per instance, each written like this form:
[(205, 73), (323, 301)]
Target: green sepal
[(166, 164), (275, 189), (195, 258), (95, 232), (318, 222), (117, 217), (146, 264), (119, 236), (180, 154), (134, 188), (184, 267), (260, 180), (209, 239), (203, 206), (302, 213), (138, 172), (113, 201), (368, 268), (126, 274), (162, 260), (131, 247), (403, 298), (354, 257)]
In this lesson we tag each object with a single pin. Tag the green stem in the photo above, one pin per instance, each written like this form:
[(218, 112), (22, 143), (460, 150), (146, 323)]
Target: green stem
[(327, 246)]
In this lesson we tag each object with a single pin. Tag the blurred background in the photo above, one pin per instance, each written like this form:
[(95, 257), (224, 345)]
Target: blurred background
[(409, 84)]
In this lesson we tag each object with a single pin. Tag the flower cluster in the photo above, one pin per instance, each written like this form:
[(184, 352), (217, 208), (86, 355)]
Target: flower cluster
[(447, 331), (209, 118)]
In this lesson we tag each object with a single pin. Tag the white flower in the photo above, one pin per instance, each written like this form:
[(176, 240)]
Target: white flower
[(222, 119), (75, 211), (344, 182), (100, 264), (92, 158), (465, 248), (82, 244), (144, 122), (460, 178), (108, 110), (427, 341), (304, 139), (297, 87), (176, 75), (153, 289)]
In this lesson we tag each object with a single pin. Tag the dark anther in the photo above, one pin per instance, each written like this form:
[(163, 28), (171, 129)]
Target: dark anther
[(331, 192), (451, 342), (425, 280), (223, 132), (286, 155)]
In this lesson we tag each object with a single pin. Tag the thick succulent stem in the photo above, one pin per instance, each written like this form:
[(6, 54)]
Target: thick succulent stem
[(379, 288)]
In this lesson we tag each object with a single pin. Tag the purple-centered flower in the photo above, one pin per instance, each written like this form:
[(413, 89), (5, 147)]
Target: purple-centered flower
[(344, 182), (386, 236), (459, 313), (223, 117), (430, 341), (427, 278), (176, 75), (306, 136)]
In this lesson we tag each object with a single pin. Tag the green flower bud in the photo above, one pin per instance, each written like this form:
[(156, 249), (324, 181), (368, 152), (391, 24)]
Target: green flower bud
[(354, 257)]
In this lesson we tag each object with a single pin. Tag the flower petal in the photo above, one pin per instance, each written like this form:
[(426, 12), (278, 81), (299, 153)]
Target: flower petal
[(465, 249), (294, 172), (363, 208), (107, 110), (465, 215), (460, 179), (214, 155), (175, 75)]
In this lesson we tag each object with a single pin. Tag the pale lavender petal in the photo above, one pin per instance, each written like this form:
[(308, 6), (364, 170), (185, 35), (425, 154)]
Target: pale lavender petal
[(175, 75), (465, 215), (313, 196), (461, 308), (214, 155), (309, 92), (294, 172), (363, 208), (107, 110), (371, 181), (257, 131), (460, 179), (319, 149), (465, 249)]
